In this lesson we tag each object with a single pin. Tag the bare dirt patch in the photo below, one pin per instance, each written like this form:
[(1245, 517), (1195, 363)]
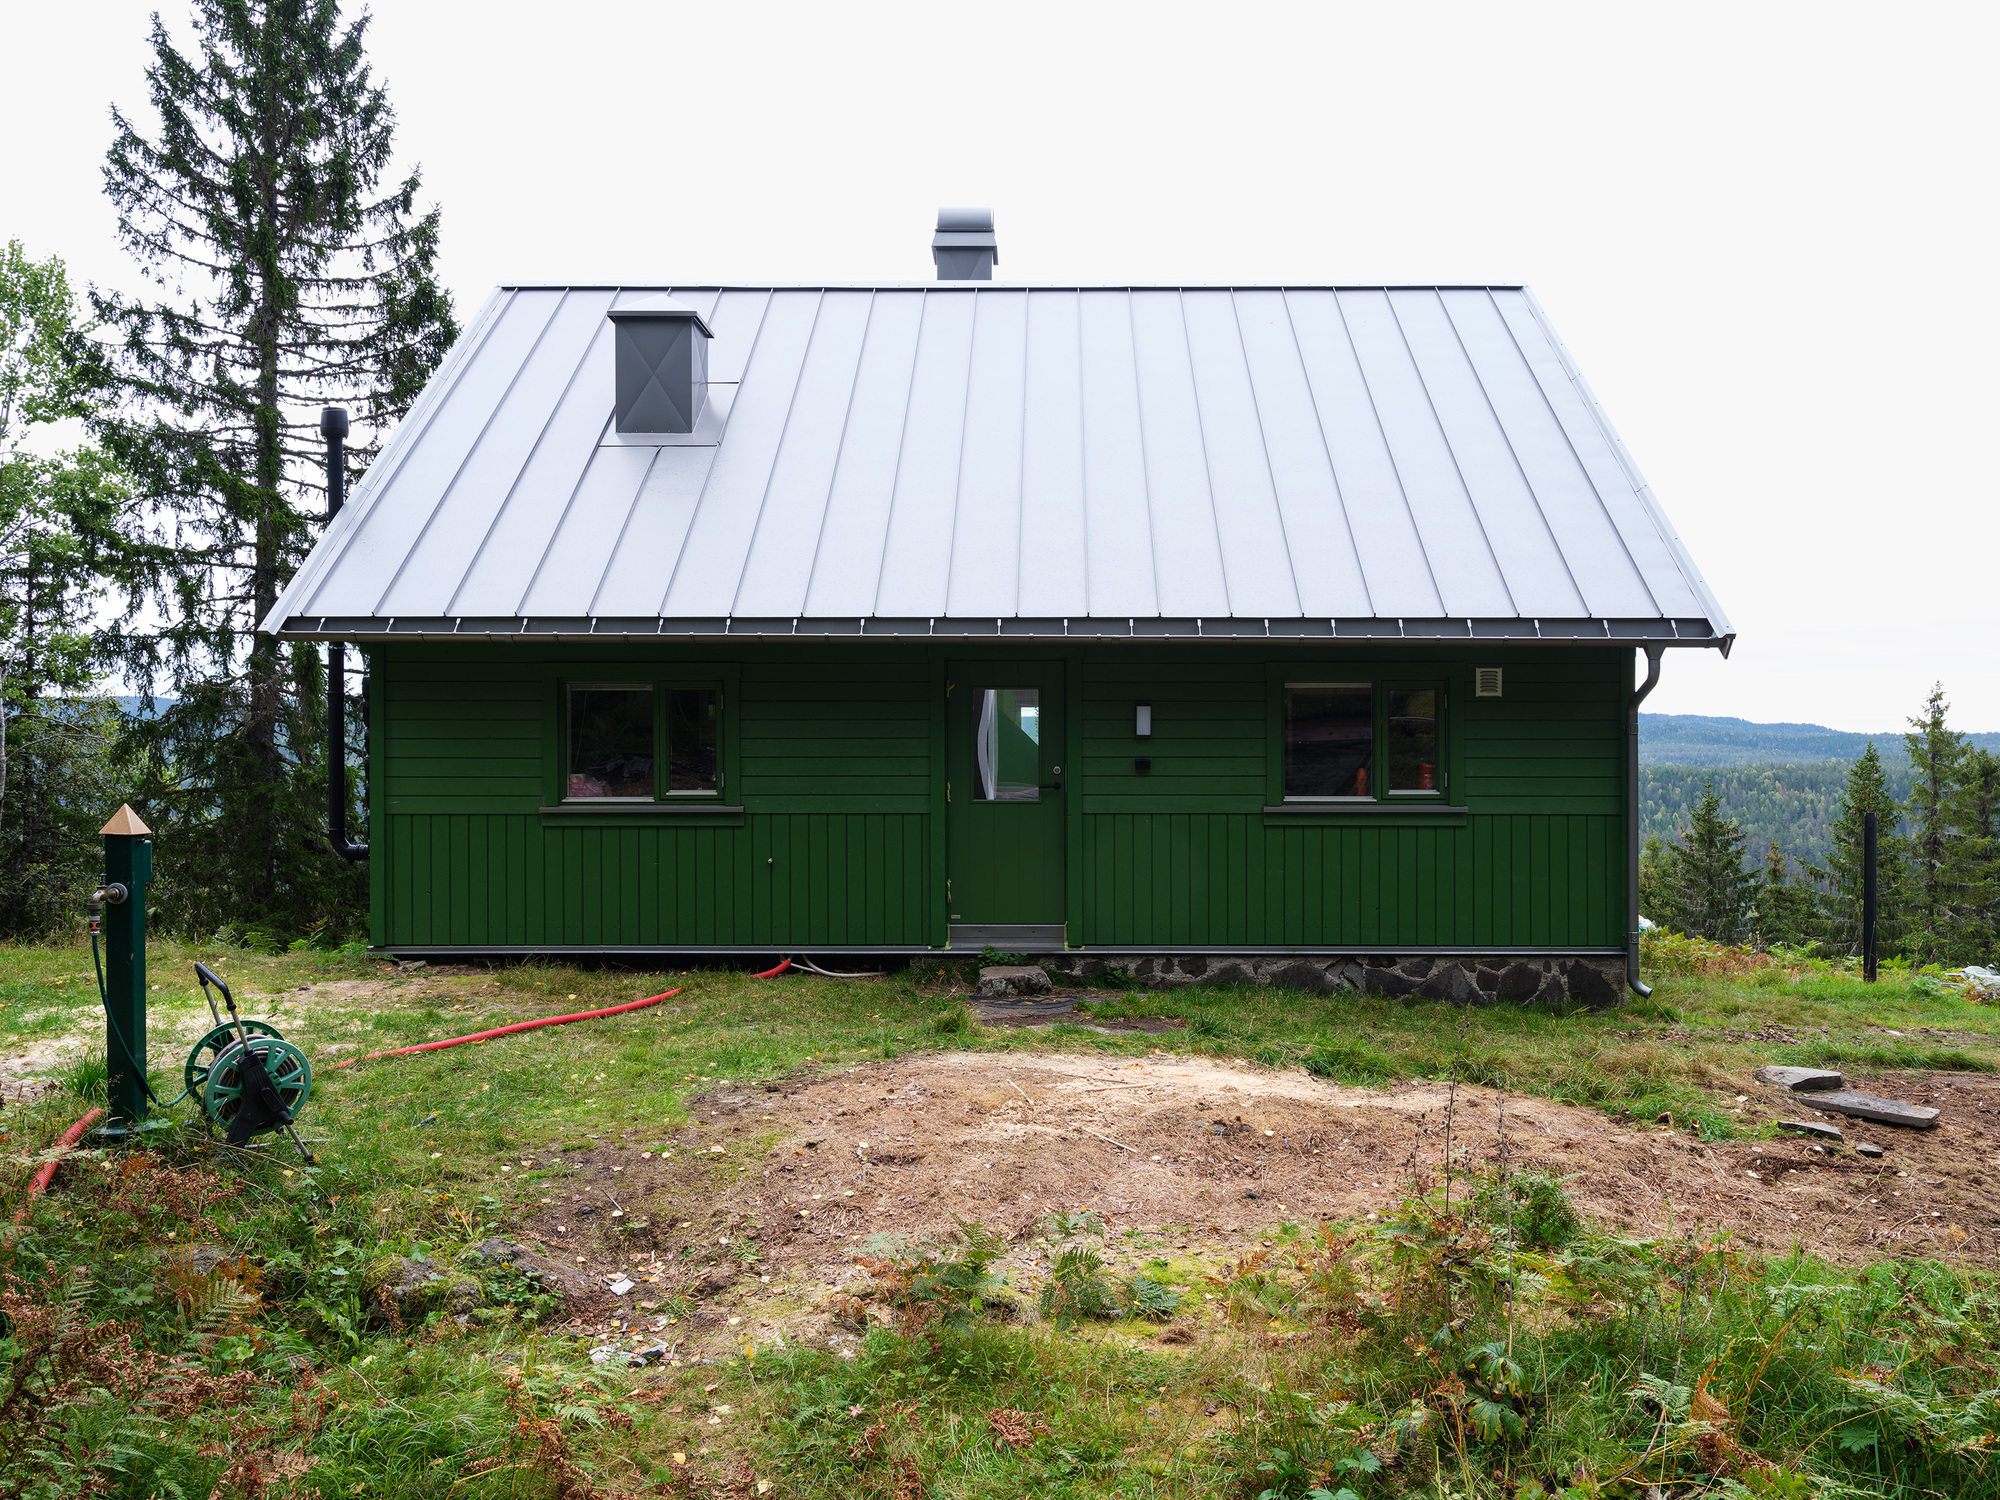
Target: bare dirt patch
[(1212, 1150)]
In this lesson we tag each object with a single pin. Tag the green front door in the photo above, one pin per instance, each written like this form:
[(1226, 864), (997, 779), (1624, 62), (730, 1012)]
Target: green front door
[(1005, 828)]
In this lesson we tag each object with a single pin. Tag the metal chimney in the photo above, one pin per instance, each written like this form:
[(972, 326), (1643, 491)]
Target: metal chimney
[(662, 360), (964, 247)]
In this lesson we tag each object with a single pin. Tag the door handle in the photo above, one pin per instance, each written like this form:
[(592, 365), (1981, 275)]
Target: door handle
[(1049, 786)]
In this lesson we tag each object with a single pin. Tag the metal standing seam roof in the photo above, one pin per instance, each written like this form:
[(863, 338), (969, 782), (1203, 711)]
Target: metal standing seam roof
[(966, 459)]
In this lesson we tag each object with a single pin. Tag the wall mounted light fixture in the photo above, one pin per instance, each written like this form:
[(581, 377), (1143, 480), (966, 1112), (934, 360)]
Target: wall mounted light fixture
[(1143, 725)]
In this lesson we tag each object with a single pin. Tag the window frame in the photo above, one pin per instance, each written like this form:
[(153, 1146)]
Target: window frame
[(1380, 684), (719, 680)]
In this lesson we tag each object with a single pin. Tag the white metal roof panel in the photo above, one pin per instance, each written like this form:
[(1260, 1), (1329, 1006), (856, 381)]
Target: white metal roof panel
[(948, 458)]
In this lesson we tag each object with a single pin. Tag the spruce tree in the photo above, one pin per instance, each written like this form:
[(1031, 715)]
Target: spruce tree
[(1653, 860), (1708, 891), (1976, 817), (1839, 924), (1782, 910), (291, 271), (59, 515), (1944, 870)]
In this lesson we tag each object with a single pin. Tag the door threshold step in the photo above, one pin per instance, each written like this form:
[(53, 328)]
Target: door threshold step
[(1011, 937)]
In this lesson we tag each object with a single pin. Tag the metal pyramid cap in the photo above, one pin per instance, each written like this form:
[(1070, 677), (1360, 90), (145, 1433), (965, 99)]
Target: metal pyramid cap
[(125, 822)]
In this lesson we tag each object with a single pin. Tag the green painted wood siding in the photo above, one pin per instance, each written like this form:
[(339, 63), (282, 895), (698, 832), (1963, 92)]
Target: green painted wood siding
[(840, 843)]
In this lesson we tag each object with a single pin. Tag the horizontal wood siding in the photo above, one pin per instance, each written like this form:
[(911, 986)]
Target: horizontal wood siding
[(833, 756)]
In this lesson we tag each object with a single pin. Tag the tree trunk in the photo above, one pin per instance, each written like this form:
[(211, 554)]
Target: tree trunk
[(267, 549)]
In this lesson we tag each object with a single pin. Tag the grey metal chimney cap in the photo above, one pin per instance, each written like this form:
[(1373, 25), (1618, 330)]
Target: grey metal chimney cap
[(964, 247), (660, 307)]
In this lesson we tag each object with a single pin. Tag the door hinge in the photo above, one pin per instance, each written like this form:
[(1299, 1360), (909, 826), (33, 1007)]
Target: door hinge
[(947, 791)]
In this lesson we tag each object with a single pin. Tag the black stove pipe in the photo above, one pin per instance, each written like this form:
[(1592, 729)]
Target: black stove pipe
[(1653, 654), (333, 427)]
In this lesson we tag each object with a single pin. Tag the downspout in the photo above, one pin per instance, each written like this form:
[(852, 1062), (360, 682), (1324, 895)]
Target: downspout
[(1653, 655), (333, 427)]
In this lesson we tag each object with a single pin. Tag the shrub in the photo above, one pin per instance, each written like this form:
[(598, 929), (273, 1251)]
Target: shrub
[(947, 1282), (1534, 1203)]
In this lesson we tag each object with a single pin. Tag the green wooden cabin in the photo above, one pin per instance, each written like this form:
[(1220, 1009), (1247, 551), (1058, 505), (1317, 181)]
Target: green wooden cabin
[(1287, 624)]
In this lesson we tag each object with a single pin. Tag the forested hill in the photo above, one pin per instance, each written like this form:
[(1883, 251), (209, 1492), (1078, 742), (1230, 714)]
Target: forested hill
[(1782, 782), (1696, 740)]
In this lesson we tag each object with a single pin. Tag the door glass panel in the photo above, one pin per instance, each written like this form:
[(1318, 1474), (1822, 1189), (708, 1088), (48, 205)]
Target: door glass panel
[(1009, 745), (691, 739), (1413, 740), (1329, 739), (610, 742)]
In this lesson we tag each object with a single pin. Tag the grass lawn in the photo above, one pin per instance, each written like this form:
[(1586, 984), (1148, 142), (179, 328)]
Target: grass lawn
[(188, 1320)]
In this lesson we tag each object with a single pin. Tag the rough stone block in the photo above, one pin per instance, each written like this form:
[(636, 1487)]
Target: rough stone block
[(1309, 978), (1014, 979), (1881, 1111), (1520, 981), (1868, 1149), (1194, 966), (1801, 1080), (1813, 1128), (1417, 968), (1487, 980), (1378, 981), (553, 1275), (1589, 987), (1453, 985)]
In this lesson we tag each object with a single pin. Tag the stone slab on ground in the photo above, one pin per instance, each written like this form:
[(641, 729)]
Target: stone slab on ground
[(1881, 1111), (1801, 1080), (1813, 1127), (1868, 1149), (1014, 979), (553, 1275)]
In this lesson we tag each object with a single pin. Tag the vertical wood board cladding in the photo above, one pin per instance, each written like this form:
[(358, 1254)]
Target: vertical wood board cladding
[(834, 880), (837, 845), (1214, 879)]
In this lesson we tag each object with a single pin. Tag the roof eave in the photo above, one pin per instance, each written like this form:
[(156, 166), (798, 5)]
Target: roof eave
[(1470, 632)]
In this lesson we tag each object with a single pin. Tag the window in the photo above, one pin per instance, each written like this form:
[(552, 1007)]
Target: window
[(621, 734), (610, 741), (1361, 741), (691, 739), (1329, 739), (1009, 746), (1413, 740)]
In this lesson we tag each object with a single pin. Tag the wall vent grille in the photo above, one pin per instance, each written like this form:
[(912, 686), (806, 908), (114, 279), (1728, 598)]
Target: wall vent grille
[(1487, 682)]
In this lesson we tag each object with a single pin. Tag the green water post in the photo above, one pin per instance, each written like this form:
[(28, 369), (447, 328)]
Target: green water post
[(128, 868)]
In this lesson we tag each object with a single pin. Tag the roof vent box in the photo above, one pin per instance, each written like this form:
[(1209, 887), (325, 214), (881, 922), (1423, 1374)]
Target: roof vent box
[(662, 365), (964, 247)]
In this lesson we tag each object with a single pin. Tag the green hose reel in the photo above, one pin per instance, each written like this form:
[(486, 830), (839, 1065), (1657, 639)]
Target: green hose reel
[(246, 1077)]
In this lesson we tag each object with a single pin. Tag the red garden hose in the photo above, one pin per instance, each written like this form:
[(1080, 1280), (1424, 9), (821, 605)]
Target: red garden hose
[(480, 1036), (64, 1142), (783, 965)]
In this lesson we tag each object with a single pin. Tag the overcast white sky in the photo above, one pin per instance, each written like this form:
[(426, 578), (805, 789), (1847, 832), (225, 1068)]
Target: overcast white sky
[(1766, 231)]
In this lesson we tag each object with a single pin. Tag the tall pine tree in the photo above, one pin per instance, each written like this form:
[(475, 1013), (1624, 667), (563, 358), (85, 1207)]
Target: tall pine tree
[(1942, 909), (292, 271), (1782, 910), (59, 535), (1978, 815), (1867, 791), (1937, 891), (1708, 892)]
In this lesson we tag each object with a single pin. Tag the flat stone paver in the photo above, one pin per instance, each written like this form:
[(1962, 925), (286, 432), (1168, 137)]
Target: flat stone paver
[(1881, 1111), (1801, 1080)]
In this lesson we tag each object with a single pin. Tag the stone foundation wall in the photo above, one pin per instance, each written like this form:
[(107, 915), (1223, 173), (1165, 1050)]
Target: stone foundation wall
[(1596, 983)]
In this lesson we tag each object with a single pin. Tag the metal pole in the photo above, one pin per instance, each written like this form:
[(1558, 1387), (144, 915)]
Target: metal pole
[(1868, 897), (333, 426), (128, 864), (1639, 695)]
